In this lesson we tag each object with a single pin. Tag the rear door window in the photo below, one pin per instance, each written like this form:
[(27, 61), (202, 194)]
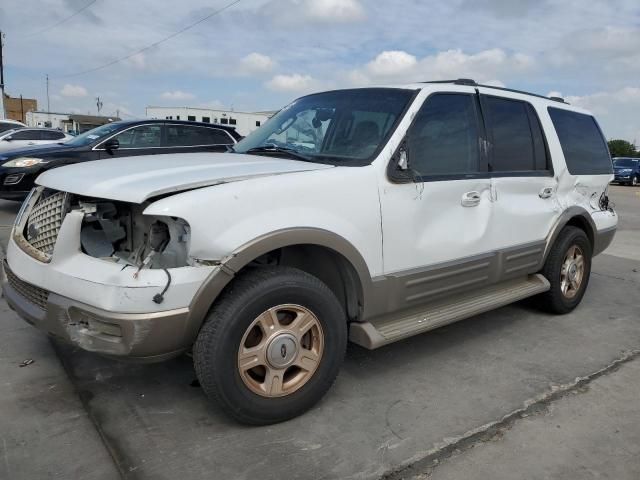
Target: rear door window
[(444, 137), (585, 149), (49, 135), (26, 135), (191, 136), (515, 135)]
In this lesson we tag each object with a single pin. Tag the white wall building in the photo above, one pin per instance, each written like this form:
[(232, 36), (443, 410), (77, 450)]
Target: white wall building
[(245, 122), (67, 122)]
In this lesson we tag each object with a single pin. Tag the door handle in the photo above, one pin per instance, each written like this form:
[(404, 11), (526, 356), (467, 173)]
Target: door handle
[(546, 192), (471, 199)]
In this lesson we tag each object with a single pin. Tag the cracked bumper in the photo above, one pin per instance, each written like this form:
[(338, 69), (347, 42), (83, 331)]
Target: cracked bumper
[(139, 336), (99, 306)]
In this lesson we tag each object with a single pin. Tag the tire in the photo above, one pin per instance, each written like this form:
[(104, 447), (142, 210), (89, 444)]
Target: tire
[(557, 300), (259, 295)]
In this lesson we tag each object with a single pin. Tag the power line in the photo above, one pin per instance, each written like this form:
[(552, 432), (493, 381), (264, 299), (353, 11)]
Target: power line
[(154, 44), (51, 27)]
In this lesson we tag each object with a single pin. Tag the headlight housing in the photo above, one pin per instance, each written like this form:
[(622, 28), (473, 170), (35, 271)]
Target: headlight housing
[(22, 162)]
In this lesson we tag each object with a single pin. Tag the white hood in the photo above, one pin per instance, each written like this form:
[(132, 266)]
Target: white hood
[(136, 179)]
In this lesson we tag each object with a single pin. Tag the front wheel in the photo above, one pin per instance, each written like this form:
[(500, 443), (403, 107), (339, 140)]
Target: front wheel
[(271, 346), (568, 268)]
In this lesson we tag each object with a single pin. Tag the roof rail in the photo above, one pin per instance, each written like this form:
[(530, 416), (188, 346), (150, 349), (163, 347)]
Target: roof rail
[(473, 83)]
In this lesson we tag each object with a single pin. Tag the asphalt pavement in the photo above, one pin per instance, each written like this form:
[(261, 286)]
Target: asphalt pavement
[(513, 393)]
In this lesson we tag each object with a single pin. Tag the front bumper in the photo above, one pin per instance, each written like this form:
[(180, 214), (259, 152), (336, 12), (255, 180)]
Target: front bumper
[(138, 336), (100, 306)]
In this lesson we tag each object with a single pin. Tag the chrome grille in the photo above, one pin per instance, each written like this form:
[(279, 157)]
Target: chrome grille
[(44, 221), (36, 295)]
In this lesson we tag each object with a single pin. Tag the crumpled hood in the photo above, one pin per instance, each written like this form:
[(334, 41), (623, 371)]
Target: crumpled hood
[(136, 179)]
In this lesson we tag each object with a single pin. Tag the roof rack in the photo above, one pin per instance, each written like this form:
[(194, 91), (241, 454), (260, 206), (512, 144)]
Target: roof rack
[(473, 83)]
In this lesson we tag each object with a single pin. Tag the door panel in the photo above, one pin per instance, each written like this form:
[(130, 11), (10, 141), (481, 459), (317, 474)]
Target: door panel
[(524, 185), (441, 219), (426, 223)]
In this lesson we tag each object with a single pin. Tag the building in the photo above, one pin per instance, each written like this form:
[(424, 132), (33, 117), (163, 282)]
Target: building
[(67, 122), (16, 108), (245, 122)]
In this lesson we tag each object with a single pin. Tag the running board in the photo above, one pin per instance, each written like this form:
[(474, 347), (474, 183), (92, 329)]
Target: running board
[(385, 330)]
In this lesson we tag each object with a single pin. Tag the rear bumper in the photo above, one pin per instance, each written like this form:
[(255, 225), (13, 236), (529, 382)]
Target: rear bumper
[(603, 239)]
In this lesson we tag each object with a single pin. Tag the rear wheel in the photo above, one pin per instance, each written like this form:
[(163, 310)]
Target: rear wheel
[(271, 346), (568, 268)]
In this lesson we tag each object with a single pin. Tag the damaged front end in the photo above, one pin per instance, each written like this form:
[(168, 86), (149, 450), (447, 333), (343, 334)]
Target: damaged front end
[(111, 230), (104, 276)]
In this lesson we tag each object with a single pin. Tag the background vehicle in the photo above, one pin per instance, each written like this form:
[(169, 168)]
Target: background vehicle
[(19, 168), (369, 214), (626, 170), (28, 137), (10, 125)]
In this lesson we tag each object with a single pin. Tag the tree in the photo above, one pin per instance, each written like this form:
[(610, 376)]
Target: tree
[(622, 148)]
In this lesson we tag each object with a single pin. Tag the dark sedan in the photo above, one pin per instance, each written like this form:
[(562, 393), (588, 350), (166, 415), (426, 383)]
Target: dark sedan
[(19, 168)]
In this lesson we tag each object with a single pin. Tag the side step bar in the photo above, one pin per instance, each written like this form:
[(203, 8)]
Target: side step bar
[(384, 330)]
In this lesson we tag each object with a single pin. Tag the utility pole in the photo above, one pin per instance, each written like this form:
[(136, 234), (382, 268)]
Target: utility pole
[(48, 105), (22, 118), (98, 104), (2, 113)]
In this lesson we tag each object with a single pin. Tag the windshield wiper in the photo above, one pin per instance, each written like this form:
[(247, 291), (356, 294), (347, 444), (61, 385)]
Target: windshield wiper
[(285, 150)]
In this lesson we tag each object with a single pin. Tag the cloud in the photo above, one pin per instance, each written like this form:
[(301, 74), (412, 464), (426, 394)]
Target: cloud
[(177, 95), (256, 63), (73, 91), (315, 11), (613, 109), (137, 61), (484, 66), (291, 83), (334, 10)]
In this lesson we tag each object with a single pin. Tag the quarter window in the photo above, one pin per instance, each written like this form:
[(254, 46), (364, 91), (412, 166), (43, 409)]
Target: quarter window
[(584, 148), (443, 139), (516, 138)]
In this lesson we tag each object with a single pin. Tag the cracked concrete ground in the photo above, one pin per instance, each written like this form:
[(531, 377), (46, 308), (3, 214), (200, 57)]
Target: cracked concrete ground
[(390, 412)]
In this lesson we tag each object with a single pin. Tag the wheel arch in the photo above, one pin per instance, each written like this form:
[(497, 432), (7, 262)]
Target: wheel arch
[(321, 253), (576, 217)]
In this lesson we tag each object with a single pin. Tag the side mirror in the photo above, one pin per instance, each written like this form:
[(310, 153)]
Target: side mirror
[(9, 138), (403, 158), (111, 145)]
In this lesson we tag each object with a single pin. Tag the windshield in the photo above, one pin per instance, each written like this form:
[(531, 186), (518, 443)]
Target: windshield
[(343, 127), (624, 162), (89, 137)]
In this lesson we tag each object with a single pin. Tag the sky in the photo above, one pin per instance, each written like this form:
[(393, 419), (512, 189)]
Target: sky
[(261, 54)]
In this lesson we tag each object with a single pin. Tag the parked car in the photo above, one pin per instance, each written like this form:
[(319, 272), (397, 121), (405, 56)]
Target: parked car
[(28, 137), (7, 124), (626, 171), (19, 168), (369, 214)]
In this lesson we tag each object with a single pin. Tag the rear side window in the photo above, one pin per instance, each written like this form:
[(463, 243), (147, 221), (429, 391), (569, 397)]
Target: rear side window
[(188, 136), (48, 135), (26, 135), (443, 139), (583, 145), (515, 134)]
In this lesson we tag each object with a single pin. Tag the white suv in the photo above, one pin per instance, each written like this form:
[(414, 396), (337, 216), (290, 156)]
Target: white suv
[(369, 214)]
